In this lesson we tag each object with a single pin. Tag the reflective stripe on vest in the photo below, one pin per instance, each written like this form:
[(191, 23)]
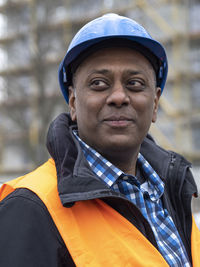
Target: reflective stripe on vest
[(94, 233)]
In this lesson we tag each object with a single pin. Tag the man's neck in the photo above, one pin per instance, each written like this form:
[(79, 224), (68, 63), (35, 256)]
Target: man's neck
[(125, 162)]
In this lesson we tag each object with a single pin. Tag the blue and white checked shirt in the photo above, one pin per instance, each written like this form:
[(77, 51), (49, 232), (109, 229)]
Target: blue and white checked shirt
[(146, 197)]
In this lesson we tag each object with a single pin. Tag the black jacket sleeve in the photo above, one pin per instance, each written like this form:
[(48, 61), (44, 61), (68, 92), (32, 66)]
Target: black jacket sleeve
[(28, 235)]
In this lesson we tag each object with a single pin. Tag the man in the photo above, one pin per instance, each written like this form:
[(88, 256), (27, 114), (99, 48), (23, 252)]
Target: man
[(109, 196)]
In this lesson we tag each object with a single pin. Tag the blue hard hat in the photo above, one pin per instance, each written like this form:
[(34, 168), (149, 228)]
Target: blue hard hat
[(108, 27)]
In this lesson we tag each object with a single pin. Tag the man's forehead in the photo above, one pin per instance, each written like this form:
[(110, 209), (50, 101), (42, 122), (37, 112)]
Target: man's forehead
[(125, 59), (109, 71)]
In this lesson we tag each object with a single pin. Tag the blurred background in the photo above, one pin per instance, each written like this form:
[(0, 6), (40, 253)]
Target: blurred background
[(34, 36)]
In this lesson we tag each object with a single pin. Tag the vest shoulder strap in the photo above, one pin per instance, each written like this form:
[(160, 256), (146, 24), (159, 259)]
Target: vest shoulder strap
[(41, 181)]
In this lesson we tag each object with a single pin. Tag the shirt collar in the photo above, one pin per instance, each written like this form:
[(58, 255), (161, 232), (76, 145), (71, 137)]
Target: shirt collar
[(104, 169), (153, 185)]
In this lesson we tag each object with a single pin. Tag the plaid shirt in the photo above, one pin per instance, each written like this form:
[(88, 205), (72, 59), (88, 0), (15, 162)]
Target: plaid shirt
[(147, 197)]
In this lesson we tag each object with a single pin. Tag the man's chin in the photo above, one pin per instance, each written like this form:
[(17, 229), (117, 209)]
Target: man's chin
[(122, 145)]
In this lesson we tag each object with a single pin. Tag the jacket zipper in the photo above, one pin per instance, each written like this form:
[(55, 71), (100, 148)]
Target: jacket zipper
[(178, 209)]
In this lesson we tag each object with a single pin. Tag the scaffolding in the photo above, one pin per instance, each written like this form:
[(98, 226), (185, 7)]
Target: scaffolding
[(34, 36)]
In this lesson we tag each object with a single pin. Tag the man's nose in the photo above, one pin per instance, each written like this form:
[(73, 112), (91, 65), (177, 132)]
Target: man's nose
[(118, 96)]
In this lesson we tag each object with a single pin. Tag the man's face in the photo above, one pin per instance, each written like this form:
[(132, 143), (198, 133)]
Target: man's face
[(115, 100)]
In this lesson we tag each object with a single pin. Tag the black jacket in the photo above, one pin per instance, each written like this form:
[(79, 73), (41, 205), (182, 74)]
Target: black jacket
[(29, 237)]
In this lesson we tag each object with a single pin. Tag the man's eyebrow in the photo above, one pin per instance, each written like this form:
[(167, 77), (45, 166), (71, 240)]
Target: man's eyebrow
[(134, 72), (100, 71)]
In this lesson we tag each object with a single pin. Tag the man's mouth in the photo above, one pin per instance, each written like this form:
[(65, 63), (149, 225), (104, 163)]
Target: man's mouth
[(118, 121)]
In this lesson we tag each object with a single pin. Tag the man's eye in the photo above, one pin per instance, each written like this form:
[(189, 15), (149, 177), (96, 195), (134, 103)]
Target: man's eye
[(135, 84), (98, 85)]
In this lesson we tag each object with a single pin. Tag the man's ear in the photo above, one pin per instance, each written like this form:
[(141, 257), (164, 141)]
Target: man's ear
[(156, 101), (72, 103)]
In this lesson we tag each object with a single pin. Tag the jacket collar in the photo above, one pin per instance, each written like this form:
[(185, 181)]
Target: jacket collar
[(72, 168)]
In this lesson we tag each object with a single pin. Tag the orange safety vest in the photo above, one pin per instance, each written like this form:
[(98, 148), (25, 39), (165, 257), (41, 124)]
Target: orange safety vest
[(94, 233)]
